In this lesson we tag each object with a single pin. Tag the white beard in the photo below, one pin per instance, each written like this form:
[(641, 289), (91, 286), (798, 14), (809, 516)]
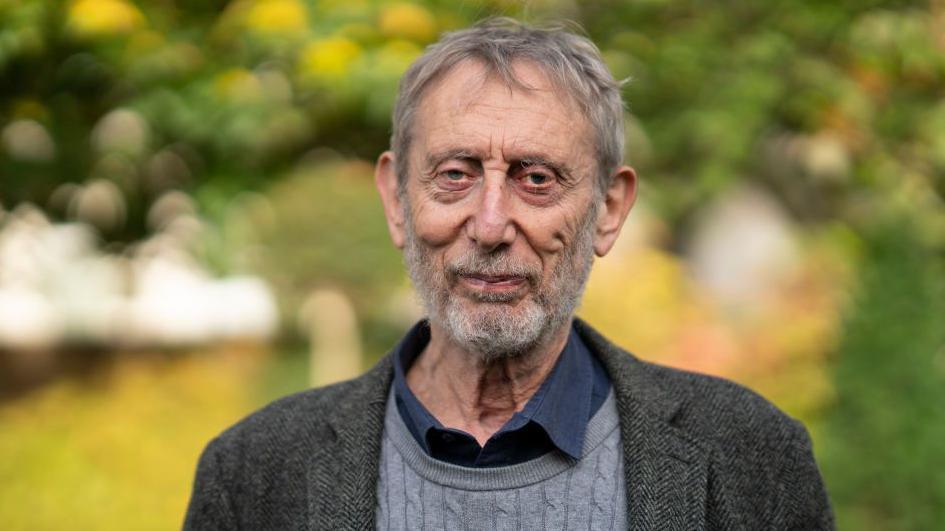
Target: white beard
[(493, 325)]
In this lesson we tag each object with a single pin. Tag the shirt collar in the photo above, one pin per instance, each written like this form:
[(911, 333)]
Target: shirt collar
[(564, 399), (561, 406)]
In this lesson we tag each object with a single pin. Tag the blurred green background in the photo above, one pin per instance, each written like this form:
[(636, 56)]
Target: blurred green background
[(188, 227)]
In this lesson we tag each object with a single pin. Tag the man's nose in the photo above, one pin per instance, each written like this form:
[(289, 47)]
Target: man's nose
[(491, 225)]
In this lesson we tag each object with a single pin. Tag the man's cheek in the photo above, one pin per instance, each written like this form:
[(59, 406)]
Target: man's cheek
[(438, 226)]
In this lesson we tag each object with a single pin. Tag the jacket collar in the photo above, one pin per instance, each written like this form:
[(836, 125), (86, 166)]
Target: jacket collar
[(343, 473), (665, 471)]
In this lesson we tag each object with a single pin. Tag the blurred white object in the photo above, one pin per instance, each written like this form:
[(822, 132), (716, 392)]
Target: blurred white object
[(99, 203), (28, 140), (35, 255), (170, 206), (27, 320), (121, 130), (742, 246), (175, 303), (56, 286), (243, 308), (328, 319)]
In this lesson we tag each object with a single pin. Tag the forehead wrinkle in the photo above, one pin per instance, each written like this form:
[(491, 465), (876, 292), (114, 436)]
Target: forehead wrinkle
[(563, 155), (488, 127)]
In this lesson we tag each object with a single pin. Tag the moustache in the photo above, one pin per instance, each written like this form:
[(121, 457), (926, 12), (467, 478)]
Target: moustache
[(503, 265)]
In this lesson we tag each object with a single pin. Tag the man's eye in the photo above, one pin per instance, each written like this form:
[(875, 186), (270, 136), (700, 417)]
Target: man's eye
[(453, 179), (538, 181)]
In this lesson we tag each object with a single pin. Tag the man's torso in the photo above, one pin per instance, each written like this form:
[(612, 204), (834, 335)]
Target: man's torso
[(698, 453)]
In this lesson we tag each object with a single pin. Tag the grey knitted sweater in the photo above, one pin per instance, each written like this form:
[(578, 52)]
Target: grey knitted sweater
[(698, 453), (416, 491)]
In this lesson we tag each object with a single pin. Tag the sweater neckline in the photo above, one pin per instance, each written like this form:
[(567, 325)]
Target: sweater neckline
[(601, 425)]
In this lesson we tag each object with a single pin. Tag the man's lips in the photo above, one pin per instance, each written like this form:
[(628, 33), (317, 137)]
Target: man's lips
[(493, 282)]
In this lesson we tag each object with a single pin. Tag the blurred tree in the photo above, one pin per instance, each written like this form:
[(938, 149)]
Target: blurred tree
[(825, 103), (807, 97), (883, 446)]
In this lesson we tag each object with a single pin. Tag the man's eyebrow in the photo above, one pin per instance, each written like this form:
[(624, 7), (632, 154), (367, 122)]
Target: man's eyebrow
[(563, 170), (435, 159)]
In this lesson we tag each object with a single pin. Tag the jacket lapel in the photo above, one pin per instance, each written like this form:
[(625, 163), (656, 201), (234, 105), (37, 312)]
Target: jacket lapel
[(665, 472), (343, 473)]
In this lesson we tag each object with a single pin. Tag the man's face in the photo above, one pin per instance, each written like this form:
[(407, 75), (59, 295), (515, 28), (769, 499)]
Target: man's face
[(500, 209)]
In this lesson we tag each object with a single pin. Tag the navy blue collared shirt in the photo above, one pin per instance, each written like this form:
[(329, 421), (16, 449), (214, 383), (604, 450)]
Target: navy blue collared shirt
[(555, 417)]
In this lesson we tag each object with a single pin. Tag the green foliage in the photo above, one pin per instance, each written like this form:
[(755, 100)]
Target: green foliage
[(884, 435), (321, 227), (808, 97), (801, 96)]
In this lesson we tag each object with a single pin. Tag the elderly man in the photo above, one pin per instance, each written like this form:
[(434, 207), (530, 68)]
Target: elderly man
[(501, 410)]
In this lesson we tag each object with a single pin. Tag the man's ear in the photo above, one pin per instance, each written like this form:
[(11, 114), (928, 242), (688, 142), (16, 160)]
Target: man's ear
[(618, 200), (385, 177)]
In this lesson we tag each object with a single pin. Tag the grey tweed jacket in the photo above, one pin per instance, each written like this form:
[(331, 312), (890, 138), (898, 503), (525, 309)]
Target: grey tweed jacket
[(699, 453)]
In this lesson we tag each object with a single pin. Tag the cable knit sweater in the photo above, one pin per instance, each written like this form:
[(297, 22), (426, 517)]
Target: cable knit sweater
[(416, 491)]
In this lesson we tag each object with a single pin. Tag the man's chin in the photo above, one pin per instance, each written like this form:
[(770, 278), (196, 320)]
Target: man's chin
[(496, 306), (496, 330)]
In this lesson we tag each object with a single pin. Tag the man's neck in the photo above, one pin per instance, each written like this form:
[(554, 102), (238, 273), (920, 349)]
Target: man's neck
[(465, 393)]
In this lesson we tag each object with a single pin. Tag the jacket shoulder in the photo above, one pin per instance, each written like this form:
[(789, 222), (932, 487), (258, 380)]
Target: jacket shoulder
[(256, 473), (309, 414), (761, 465), (286, 417), (716, 410), (705, 409)]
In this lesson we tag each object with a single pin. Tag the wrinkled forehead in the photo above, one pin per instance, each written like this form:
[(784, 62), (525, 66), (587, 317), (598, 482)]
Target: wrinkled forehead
[(470, 77), (474, 98)]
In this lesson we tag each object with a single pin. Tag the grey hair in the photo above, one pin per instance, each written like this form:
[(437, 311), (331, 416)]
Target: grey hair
[(572, 62)]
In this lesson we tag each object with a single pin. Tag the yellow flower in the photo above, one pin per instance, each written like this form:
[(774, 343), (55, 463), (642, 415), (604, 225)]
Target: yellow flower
[(331, 57), (278, 16), (407, 21), (104, 17)]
